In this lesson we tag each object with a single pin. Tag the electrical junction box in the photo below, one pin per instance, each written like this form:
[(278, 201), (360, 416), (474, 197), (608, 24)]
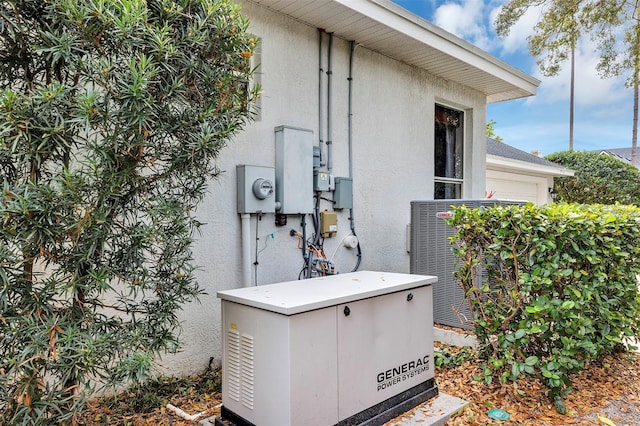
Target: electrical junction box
[(343, 194), (328, 223), (294, 170), (337, 350), (255, 187), (321, 181)]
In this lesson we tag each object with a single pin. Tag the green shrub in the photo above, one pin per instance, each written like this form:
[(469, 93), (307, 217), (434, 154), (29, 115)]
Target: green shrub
[(559, 290), (599, 179), (112, 113)]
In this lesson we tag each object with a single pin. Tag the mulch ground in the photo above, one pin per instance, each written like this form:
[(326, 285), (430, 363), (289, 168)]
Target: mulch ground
[(610, 389), (199, 395), (603, 394)]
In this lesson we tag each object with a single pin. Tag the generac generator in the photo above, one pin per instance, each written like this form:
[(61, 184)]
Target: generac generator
[(346, 349)]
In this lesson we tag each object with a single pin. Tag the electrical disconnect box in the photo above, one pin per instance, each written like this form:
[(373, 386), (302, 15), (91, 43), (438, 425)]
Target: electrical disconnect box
[(328, 223), (294, 170), (370, 358), (343, 194), (255, 189)]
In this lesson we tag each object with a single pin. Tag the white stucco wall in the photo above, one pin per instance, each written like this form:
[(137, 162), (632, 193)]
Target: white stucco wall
[(393, 115)]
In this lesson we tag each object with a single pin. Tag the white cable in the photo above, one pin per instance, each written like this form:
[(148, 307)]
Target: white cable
[(338, 246)]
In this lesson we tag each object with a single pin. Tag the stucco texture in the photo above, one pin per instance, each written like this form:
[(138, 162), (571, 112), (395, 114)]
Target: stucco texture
[(392, 151)]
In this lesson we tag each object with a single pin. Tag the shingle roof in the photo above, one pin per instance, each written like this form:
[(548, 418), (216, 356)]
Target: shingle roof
[(623, 154), (500, 149)]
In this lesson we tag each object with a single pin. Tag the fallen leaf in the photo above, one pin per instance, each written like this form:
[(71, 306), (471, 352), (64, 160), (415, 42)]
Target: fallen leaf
[(606, 421)]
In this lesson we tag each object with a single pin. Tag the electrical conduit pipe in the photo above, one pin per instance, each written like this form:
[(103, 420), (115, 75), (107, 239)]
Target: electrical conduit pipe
[(245, 219)]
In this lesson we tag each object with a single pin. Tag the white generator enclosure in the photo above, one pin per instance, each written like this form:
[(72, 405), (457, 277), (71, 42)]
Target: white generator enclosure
[(346, 349)]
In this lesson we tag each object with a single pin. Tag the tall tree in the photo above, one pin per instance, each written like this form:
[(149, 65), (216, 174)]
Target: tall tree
[(491, 132), (112, 113), (611, 24), (635, 83)]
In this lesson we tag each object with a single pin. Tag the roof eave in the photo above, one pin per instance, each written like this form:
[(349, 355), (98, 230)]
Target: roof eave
[(498, 163), (395, 32)]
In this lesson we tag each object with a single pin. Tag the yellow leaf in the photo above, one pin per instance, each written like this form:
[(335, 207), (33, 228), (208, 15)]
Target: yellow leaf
[(606, 421)]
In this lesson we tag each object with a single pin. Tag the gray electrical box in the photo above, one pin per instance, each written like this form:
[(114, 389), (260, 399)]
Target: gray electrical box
[(256, 189), (317, 156), (343, 195), (320, 181), (294, 170)]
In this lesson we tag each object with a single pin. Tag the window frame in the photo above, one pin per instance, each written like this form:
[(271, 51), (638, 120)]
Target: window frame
[(459, 151)]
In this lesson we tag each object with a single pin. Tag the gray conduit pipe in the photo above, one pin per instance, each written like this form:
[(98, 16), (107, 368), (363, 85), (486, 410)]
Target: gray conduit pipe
[(329, 106), (320, 95), (350, 144)]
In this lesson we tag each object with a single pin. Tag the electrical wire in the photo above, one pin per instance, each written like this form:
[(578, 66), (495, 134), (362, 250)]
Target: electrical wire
[(338, 246), (316, 262), (266, 237)]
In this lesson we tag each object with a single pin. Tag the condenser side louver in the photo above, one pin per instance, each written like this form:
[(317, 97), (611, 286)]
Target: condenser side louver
[(431, 254)]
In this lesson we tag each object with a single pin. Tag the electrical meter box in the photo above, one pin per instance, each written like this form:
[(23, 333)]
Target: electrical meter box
[(256, 187), (337, 350)]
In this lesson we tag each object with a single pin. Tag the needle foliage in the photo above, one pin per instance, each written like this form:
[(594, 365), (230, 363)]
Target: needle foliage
[(112, 113)]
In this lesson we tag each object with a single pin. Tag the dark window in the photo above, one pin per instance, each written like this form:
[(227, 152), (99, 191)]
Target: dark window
[(448, 141)]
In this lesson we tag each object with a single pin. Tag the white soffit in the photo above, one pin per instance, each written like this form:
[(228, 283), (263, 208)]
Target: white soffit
[(387, 28)]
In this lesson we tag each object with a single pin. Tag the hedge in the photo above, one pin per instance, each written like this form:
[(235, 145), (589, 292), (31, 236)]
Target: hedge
[(552, 287)]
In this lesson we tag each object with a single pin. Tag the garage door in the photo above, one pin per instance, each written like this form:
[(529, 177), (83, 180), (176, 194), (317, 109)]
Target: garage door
[(511, 186)]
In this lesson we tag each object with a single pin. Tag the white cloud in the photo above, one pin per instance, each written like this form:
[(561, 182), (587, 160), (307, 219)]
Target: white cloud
[(466, 20)]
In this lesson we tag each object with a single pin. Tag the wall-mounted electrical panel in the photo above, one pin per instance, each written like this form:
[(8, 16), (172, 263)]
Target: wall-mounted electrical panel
[(370, 358), (343, 194), (294, 170), (256, 187)]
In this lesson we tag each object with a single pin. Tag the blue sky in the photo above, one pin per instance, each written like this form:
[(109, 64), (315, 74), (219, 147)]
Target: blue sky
[(603, 108)]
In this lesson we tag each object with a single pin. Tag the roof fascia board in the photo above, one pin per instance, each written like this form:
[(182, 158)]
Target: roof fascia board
[(503, 164), (419, 29)]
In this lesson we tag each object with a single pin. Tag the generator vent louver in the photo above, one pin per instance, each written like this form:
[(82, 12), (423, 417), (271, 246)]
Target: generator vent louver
[(247, 365), (431, 255), (233, 364), (240, 364)]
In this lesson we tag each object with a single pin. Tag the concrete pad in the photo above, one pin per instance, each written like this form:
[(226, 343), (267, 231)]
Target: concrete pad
[(210, 421), (435, 412), (450, 337)]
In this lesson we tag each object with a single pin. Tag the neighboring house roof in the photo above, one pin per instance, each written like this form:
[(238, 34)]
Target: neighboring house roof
[(391, 30), (501, 156), (623, 154)]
